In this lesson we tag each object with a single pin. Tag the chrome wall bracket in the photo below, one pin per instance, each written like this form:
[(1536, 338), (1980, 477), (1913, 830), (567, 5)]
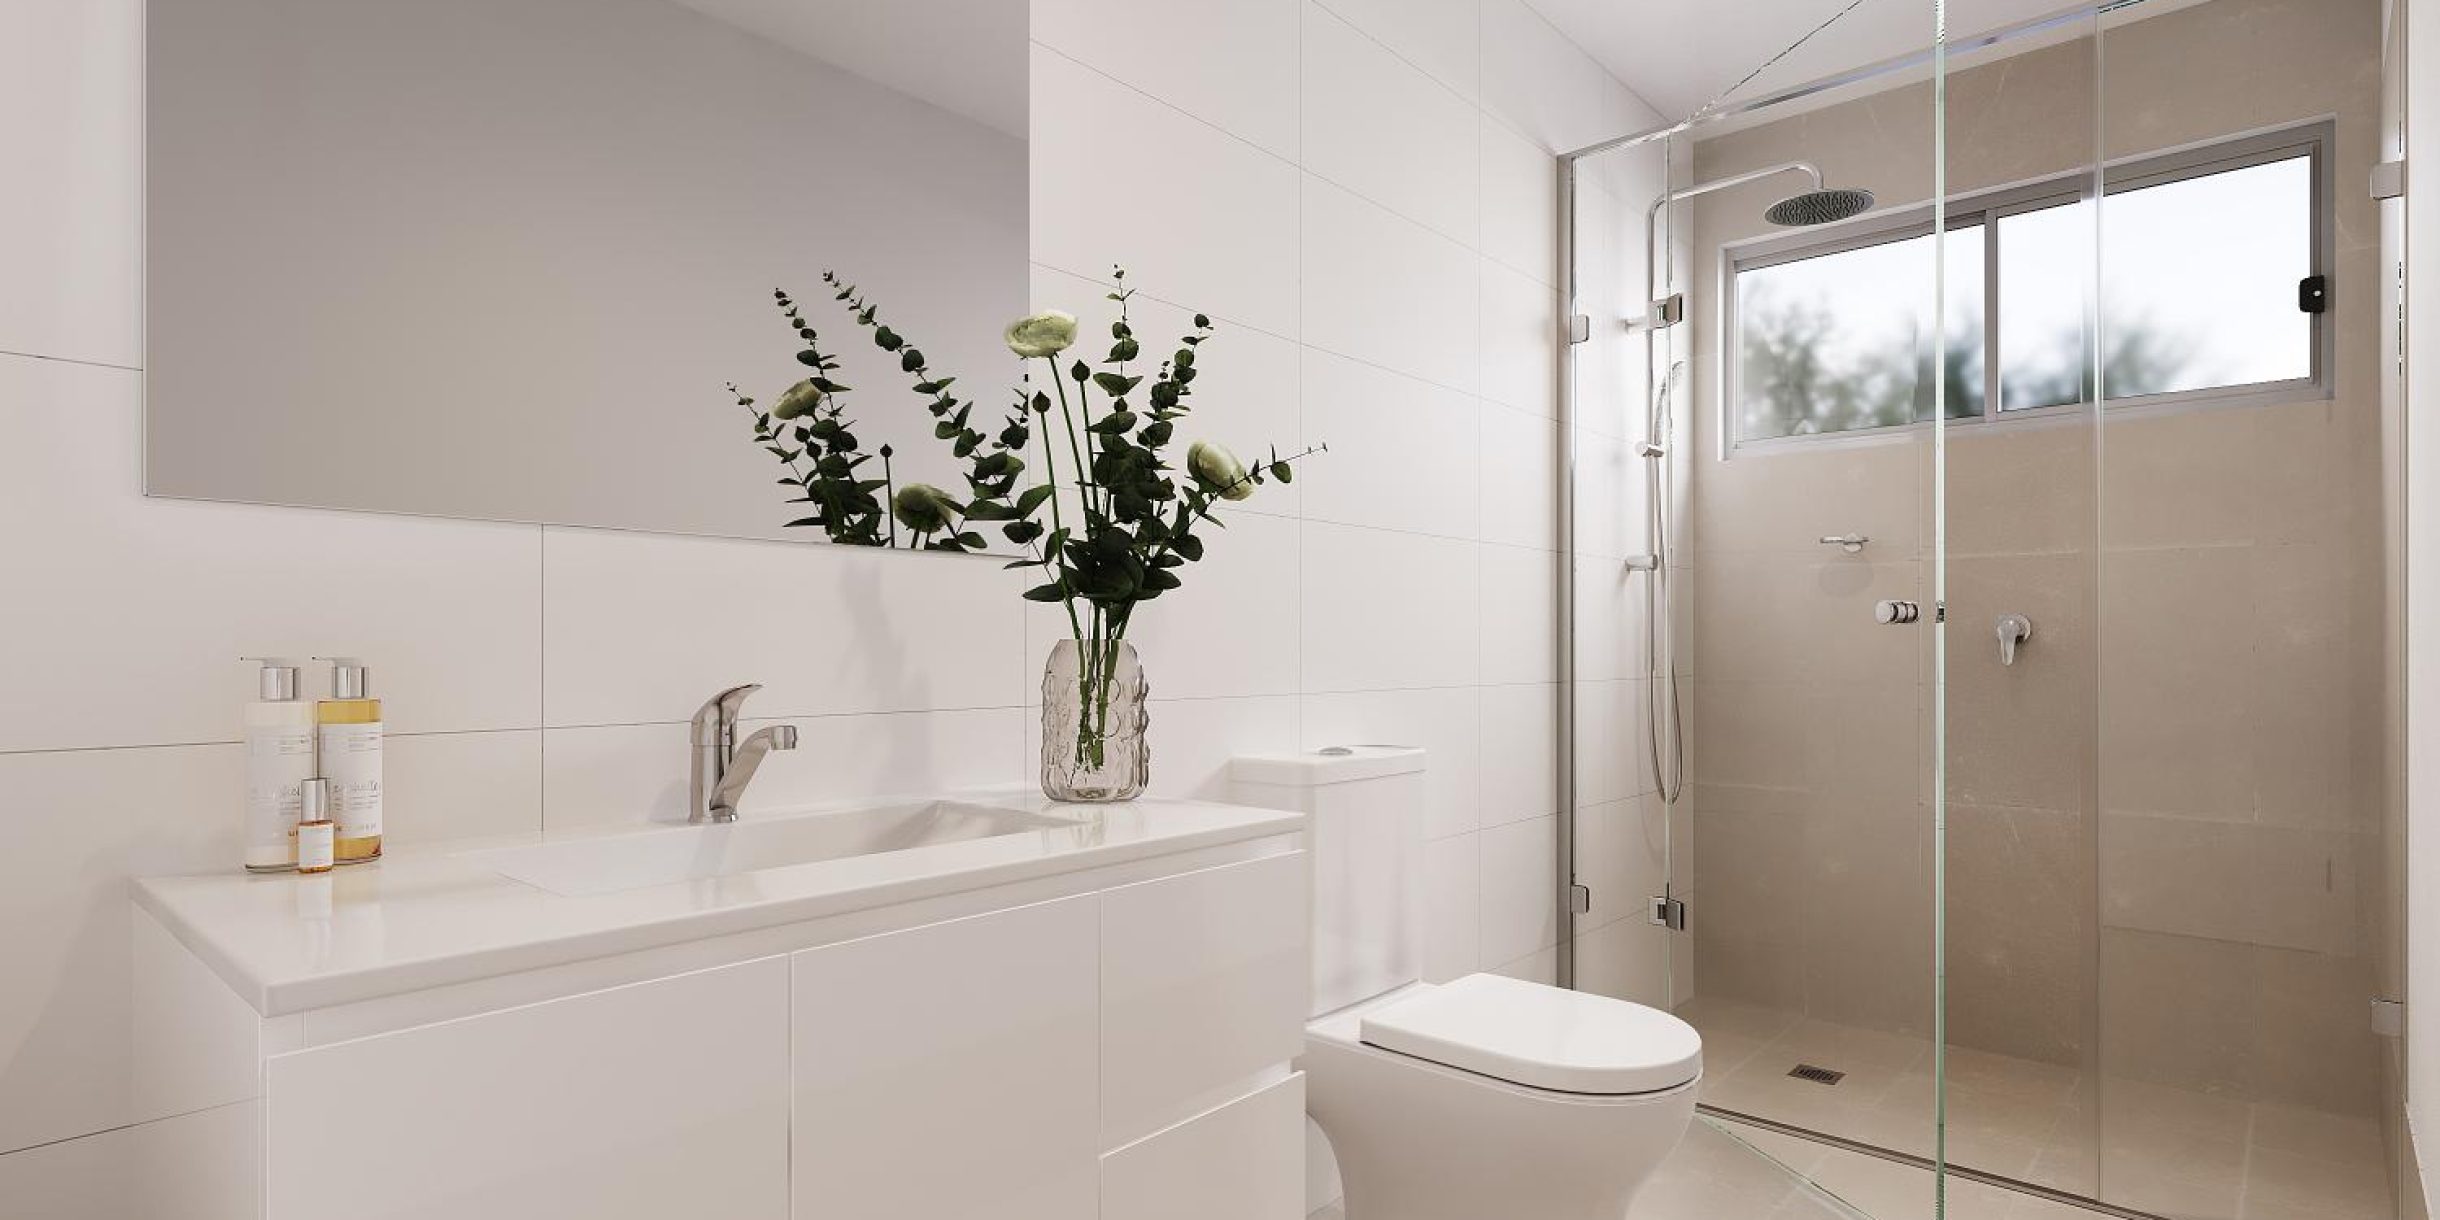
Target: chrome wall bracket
[(1668, 912)]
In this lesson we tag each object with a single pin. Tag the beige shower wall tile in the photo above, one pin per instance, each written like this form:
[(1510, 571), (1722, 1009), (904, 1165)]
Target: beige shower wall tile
[(2021, 491), (2020, 919), (2022, 734), (1785, 502), (1797, 617), (2176, 632), (2179, 1010)]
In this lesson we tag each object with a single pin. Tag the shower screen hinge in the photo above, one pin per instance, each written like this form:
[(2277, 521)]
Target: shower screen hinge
[(1668, 912), (2389, 180), (1579, 328), (1580, 899), (2388, 1017)]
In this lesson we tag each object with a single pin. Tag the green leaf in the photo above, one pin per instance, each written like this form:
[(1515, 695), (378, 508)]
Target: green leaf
[(910, 361), (1033, 498), (1045, 593), (1114, 385), (1116, 423), (1022, 532), (1280, 471), (887, 340), (1123, 351), (1189, 546)]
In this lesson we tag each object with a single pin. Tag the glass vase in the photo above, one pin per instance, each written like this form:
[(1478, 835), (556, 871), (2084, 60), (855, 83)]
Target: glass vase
[(1093, 720)]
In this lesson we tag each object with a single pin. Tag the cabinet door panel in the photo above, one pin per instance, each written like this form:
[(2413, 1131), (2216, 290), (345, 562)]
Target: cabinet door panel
[(1243, 1161), (666, 1098), (949, 1071), (1204, 985)]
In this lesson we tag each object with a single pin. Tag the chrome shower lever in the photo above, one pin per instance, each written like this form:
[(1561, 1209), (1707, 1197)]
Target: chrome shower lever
[(2013, 630)]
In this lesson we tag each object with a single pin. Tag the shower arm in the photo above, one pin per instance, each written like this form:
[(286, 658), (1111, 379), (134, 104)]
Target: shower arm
[(1652, 215)]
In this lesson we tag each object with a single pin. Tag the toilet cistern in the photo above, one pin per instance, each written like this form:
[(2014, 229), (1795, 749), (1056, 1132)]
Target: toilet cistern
[(723, 765)]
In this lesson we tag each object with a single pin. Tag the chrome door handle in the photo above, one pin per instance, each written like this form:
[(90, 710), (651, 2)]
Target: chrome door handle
[(1896, 613), (1851, 543)]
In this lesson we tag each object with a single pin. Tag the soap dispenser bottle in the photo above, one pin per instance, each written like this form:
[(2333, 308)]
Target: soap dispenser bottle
[(279, 759), (350, 742)]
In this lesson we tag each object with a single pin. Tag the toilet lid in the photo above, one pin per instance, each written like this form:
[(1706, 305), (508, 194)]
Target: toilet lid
[(1530, 1034)]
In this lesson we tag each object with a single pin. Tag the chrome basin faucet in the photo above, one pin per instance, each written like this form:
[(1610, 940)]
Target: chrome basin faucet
[(723, 765)]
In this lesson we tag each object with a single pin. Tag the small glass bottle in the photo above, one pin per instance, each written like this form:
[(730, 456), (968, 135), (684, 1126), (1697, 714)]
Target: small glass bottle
[(317, 835), (349, 744)]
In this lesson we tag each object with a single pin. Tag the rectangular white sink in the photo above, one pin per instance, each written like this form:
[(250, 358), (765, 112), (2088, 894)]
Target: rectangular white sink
[(611, 863)]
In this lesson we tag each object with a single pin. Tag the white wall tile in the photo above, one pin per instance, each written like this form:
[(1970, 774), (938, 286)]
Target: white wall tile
[(1520, 203), (1404, 454), (1386, 610), (1520, 774), (200, 1166), (1446, 723), (1547, 88), (635, 773), (132, 612), (1194, 740), (643, 628), (1231, 65), (1383, 128), (1520, 626), (1520, 889), (65, 943), (1452, 907), (442, 786), (1121, 178), (71, 221), (1520, 472), (1442, 37), (1388, 291), (1520, 340)]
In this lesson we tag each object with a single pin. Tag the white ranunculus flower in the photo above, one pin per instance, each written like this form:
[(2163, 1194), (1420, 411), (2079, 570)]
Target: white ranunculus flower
[(1218, 470), (1042, 334), (796, 400), (922, 507)]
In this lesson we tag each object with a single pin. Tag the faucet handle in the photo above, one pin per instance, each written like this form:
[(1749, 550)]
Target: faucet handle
[(717, 718)]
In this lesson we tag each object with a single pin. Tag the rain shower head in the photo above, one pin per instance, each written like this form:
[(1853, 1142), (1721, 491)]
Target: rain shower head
[(1820, 206)]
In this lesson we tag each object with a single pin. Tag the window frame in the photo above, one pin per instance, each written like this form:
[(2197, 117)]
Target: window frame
[(2311, 140)]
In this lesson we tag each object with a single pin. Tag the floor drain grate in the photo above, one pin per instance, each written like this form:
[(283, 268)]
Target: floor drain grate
[(1818, 1075)]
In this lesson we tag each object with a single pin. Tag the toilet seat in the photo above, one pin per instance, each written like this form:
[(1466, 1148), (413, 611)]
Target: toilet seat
[(1538, 1036)]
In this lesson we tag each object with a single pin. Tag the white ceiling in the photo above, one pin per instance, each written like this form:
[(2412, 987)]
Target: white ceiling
[(965, 56), (1682, 54)]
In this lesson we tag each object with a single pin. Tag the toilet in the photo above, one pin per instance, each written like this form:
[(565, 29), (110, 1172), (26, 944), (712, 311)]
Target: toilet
[(1484, 1096)]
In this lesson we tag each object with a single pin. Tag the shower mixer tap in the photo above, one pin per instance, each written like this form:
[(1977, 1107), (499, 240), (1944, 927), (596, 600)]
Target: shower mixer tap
[(2013, 631)]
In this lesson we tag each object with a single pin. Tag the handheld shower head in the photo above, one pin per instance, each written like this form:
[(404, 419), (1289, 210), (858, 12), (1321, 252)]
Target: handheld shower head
[(1820, 206)]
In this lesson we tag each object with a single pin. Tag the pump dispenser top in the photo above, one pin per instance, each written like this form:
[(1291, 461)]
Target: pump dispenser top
[(277, 681)]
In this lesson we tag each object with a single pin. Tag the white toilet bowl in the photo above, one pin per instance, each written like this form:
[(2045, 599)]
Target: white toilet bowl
[(1506, 1099), (1484, 1098)]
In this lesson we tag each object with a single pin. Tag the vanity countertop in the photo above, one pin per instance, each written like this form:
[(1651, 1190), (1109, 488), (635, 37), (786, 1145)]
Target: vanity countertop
[(435, 915)]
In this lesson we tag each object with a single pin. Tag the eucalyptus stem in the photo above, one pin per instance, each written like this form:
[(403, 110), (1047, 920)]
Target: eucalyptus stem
[(1084, 473)]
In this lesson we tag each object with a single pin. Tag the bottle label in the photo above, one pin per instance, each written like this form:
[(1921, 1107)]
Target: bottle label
[(351, 761), (316, 851), (278, 759)]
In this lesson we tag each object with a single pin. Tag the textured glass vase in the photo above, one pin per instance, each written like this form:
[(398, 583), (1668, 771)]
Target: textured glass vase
[(1093, 722)]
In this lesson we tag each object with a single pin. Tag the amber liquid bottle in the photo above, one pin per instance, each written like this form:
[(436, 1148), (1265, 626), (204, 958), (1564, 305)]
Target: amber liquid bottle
[(348, 745)]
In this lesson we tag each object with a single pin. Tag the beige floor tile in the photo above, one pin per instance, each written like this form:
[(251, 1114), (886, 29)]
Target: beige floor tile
[(2286, 1186)]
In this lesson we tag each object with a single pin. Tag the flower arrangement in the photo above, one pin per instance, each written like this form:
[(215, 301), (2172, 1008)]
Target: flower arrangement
[(1123, 521)]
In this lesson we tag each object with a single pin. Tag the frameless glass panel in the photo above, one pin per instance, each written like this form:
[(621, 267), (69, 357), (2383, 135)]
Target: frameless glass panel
[(1841, 341), (2200, 279)]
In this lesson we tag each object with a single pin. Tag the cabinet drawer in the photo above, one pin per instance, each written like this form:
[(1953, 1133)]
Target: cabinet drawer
[(1204, 982), (948, 1071), (1243, 1161), (667, 1098)]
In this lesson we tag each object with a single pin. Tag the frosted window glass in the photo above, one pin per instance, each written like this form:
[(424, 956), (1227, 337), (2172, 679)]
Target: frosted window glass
[(2199, 281), (1842, 341), (2045, 312)]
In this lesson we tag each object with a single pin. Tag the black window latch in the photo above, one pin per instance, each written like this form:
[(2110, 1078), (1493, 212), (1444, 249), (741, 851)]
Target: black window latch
[(2313, 294)]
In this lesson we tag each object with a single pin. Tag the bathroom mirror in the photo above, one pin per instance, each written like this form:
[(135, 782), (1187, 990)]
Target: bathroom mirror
[(497, 258)]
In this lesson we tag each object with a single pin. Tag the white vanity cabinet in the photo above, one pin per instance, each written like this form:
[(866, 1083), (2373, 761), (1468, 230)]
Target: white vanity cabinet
[(1114, 1041), (657, 1099)]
